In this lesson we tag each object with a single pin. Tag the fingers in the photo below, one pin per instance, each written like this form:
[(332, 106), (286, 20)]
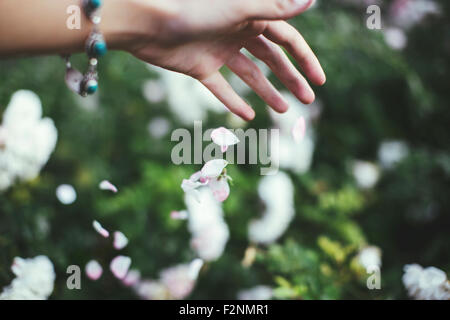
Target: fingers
[(271, 9), (217, 84), (282, 67), (288, 37), (249, 72)]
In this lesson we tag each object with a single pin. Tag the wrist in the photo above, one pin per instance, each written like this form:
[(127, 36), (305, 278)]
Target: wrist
[(129, 24)]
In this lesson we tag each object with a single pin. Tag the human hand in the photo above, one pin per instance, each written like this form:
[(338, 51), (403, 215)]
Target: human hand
[(198, 37)]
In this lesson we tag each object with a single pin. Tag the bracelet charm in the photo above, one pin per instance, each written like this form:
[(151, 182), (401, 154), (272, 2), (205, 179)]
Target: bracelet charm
[(95, 47)]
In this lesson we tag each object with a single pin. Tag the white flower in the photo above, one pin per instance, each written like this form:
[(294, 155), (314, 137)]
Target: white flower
[(392, 152), (256, 293), (211, 175), (34, 280), (26, 139), (66, 194), (277, 193), (407, 13), (370, 256), (426, 284), (209, 231), (99, 228), (395, 38), (176, 282), (365, 173), (187, 94)]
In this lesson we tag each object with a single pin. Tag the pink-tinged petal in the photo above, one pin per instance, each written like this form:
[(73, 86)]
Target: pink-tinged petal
[(194, 268), (299, 130), (132, 278), (120, 240), (179, 215), (188, 185), (224, 138), (213, 168), (220, 189), (98, 227), (93, 270), (119, 266), (106, 185)]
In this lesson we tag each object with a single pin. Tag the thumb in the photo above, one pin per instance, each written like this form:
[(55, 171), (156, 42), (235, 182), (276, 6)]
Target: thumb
[(272, 9)]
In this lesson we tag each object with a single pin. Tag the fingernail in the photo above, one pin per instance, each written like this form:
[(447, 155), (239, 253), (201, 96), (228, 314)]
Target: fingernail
[(303, 3)]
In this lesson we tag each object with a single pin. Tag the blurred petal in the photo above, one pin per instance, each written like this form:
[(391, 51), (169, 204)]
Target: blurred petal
[(119, 266), (299, 129), (93, 270), (224, 138), (220, 189), (120, 240), (132, 278), (98, 227), (179, 215), (194, 268), (214, 168), (106, 185)]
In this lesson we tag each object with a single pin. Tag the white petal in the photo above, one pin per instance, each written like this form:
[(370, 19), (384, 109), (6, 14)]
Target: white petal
[(224, 138), (220, 189), (194, 268), (93, 270), (98, 227), (189, 185), (179, 215), (106, 185), (132, 278), (299, 129), (119, 266), (66, 194), (214, 168), (120, 240)]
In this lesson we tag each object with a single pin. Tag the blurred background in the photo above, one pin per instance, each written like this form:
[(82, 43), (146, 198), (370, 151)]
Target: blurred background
[(369, 185)]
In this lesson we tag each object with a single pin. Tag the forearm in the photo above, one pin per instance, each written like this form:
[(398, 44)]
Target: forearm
[(40, 26)]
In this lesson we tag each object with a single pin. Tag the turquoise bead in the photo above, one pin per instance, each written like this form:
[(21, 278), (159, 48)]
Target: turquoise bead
[(92, 87), (100, 48), (95, 4)]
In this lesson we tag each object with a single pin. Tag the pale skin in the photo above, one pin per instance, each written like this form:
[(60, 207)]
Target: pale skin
[(194, 37)]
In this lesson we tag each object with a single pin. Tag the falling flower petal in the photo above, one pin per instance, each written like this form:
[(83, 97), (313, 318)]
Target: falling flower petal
[(93, 270), (214, 168), (106, 185), (299, 129), (224, 138), (179, 215), (119, 266), (220, 189), (98, 227), (120, 240), (194, 268), (132, 278)]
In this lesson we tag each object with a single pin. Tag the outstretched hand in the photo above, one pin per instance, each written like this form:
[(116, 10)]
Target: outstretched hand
[(201, 36)]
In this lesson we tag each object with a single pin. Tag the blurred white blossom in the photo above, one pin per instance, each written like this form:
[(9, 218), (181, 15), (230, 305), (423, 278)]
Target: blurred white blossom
[(365, 173), (187, 94), (292, 155), (26, 139), (209, 230), (34, 280), (256, 293), (395, 38), (277, 193), (392, 152), (66, 194), (426, 283), (370, 256)]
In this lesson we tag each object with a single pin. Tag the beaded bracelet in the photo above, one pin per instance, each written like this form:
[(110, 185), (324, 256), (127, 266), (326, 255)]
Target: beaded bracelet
[(95, 47)]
